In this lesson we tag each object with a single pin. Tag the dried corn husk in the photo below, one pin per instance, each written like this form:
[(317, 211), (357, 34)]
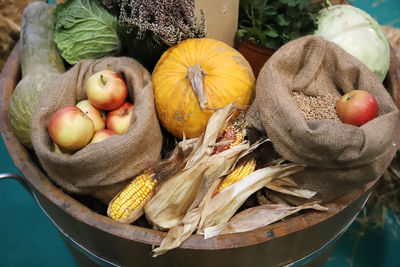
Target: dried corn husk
[(178, 234), (262, 199), (220, 208), (175, 196), (215, 126), (284, 185), (219, 165), (294, 191), (172, 200), (284, 181), (276, 198), (257, 217), (223, 163), (274, 192), (166, 168)]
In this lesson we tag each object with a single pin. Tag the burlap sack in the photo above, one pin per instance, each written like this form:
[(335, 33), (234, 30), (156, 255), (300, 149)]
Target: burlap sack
[(341, 157), (99, 169)]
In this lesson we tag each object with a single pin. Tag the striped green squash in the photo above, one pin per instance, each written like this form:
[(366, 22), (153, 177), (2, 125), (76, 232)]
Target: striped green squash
[(40, 64)]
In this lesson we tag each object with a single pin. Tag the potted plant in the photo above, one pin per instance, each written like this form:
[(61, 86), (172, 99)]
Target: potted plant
[(264, 26)]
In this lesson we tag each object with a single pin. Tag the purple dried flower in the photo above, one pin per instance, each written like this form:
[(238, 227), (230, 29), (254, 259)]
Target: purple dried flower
[(169, 21)]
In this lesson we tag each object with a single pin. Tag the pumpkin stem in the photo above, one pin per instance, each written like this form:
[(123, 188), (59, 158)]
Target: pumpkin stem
[(195, 75)]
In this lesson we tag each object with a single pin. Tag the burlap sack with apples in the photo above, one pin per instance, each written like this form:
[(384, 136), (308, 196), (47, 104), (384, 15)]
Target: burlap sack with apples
[(339, 157), (99, 169)]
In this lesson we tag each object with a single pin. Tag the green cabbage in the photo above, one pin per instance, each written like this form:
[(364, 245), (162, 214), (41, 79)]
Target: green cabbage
[(83, 29), (358, 33)]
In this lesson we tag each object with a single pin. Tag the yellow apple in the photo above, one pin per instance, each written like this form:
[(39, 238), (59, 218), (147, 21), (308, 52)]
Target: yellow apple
[(56, 149), (106, 90), (70, 128), (101, 135), (97, 116), (119, 119)]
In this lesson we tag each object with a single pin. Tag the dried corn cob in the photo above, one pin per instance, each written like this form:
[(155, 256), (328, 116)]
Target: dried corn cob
[(244, 169), (176, 195), (127, 206), (218, 210), (233, 134)]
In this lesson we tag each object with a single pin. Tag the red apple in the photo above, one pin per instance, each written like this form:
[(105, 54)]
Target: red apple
[(97, 116), (357, 107), (106, 90), (119, 119), (70, 128), (101, 135)]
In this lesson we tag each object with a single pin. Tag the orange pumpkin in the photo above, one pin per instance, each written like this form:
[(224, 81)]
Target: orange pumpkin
[(194, 78)]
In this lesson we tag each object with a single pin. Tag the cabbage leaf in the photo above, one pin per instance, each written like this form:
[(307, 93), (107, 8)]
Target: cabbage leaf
[(83, 29)]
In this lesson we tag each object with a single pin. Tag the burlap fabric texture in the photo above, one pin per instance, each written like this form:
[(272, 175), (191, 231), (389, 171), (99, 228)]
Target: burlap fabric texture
[(340, 157), (99, 169)]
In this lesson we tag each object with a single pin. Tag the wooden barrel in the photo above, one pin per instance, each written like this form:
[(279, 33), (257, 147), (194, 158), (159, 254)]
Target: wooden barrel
[(94, 238)]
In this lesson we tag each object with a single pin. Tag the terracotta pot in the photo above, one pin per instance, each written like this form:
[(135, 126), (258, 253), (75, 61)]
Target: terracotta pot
[(255, 54)]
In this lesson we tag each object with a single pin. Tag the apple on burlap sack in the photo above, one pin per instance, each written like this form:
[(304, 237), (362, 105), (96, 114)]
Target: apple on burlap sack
[(339, 157), (356, 107), (99, 169)]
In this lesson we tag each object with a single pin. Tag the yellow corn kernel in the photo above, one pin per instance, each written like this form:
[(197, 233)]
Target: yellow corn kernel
[(239, 136), (244, 169), (132, 196)]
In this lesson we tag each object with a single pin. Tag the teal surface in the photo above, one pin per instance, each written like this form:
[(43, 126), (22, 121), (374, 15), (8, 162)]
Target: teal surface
[(386, 12), (366, 246), (28, 237)]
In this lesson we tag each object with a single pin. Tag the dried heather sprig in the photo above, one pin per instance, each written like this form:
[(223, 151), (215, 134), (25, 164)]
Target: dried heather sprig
[(169, 21)]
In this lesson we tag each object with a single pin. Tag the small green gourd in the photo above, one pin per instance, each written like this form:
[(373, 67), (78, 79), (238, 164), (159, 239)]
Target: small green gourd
[(40, 64)]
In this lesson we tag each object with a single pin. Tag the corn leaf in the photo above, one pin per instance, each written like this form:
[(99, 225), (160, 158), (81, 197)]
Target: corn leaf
[(219, 165), (178, 234), (175, 196), (294, 191), (220, 208), (284, 181), (172, 200), (263, 200), (257, 217), (215, 126), (223, 163)]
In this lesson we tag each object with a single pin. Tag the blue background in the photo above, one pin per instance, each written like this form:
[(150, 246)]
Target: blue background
[(28, 238)]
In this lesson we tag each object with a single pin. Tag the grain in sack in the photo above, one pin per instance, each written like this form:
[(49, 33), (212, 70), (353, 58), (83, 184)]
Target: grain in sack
[(339, 157)]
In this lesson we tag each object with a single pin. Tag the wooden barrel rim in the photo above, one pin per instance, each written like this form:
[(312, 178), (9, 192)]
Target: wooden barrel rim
[(37, 179)]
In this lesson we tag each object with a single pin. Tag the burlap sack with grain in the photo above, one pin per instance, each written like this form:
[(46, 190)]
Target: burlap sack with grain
[(99, 169), (340, 157)]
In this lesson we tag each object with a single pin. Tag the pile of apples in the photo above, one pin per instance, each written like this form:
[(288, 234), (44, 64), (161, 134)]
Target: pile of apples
[(106, 112)]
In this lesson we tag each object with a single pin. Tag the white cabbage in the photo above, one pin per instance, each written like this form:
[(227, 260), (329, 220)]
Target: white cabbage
[(358, 33)]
